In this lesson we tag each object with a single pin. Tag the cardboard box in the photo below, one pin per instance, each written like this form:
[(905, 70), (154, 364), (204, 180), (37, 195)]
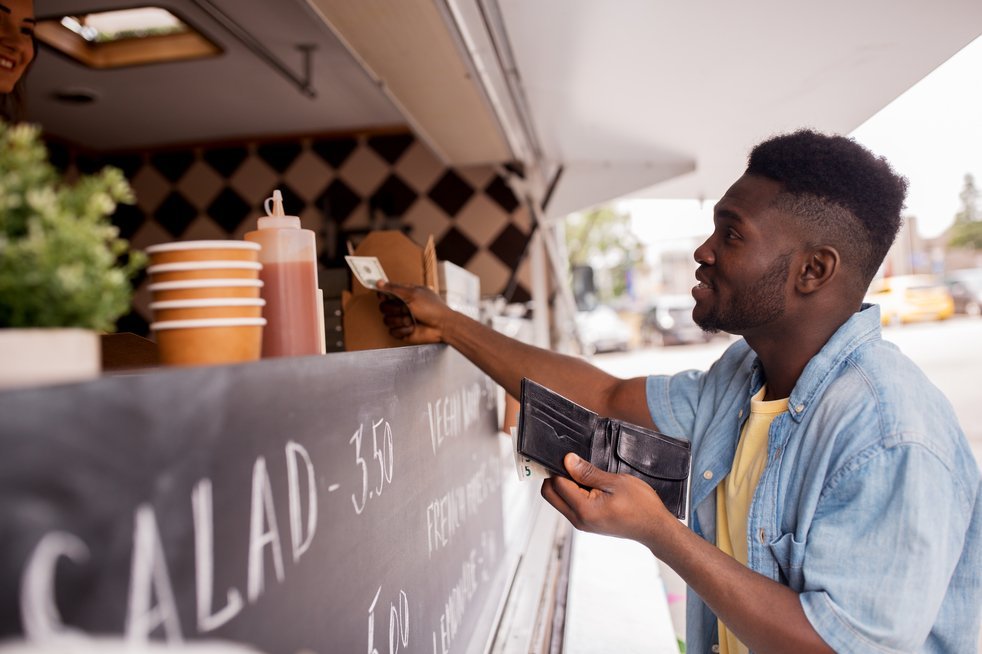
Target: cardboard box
[(404, 262)]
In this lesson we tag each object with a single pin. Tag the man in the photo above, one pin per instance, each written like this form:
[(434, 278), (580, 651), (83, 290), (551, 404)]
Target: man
[(834, 502)]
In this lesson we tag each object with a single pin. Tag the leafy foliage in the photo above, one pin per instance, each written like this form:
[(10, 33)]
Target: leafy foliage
[(602, 238), (966, 235), (967, 230), (62, 263)]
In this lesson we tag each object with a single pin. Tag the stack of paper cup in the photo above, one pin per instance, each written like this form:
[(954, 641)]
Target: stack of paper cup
[(206, 301)]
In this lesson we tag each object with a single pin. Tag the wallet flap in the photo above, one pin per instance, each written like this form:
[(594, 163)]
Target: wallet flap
[(652, 453), (550, 426)]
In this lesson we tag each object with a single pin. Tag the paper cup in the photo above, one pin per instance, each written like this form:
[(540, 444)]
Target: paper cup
[(207, 308), (209, 342), (195, 289), (229, 250), (186, 270)]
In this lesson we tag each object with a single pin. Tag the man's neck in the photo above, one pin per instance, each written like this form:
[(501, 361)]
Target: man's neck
[(781, 382), (784, 353)]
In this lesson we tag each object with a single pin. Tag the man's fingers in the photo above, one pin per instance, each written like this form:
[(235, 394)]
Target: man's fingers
[(401, 291), (570, 492), (390, 307), (414, 335), (393, 321), (411, 313), (401, 332), (395, 312), (550, 495), (587, 474)]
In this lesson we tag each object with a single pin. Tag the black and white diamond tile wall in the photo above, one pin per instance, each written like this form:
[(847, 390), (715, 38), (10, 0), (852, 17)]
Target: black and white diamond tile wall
[(390, 147), (451, 193), (174, 214), (225, 161), (341, 187), (335, 151), (279, 156), (172, 165), (228, 210)]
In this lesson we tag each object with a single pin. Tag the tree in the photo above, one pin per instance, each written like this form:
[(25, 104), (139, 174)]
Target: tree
[(602, 238), (967, 230)]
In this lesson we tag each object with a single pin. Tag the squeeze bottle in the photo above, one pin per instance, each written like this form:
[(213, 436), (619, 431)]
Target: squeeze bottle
[(289, 275)]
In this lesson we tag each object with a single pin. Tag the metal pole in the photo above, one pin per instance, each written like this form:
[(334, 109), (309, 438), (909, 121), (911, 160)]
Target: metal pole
[(256, 46)]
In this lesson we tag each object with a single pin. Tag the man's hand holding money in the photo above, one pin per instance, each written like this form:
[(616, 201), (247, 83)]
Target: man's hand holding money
[(415, 313)]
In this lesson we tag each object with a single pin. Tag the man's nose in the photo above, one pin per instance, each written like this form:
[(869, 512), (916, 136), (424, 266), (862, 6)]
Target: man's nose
[(704, 253)]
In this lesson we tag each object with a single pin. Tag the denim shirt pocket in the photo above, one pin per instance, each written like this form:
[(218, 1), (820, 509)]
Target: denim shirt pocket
[(790, 557)]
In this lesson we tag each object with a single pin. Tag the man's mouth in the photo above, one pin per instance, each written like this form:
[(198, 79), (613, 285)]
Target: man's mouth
[(702, 284), (7, 63)]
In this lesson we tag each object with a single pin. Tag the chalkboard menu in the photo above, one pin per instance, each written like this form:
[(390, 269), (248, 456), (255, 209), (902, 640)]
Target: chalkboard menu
[(345, 503)]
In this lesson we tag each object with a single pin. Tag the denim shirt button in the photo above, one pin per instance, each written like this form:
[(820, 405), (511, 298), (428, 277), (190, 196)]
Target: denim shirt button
[(715, 649), (707, 475), (799, 408), (761, 535), (740, 413)]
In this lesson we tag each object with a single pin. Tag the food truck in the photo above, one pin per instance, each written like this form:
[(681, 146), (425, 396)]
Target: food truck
[(367, 498)]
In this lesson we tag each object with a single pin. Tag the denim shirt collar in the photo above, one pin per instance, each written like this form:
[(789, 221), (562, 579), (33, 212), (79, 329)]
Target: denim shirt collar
[(862, 327)]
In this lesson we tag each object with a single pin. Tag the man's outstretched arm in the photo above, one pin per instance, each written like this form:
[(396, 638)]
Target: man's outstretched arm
[(507, 360)]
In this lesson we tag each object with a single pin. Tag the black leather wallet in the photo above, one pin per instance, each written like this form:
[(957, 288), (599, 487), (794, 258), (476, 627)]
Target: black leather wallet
[(549, 426)]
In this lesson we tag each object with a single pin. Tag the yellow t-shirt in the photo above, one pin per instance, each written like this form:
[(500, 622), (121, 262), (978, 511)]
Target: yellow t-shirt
[(735, 493)]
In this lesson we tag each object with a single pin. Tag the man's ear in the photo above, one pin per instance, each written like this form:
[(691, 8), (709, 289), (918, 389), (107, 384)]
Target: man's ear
[(820, 266)]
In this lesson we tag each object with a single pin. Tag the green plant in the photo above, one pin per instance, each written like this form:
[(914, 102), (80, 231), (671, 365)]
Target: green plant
[(62, 263)]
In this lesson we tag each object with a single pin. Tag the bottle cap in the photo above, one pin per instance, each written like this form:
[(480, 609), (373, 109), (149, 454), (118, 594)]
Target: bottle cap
[(274, 218)]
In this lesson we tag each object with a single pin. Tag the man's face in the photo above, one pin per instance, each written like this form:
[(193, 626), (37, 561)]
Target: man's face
[(743, 274)]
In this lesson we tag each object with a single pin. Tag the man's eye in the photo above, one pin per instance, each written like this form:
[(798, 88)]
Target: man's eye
[(731, 235), (27, 31)]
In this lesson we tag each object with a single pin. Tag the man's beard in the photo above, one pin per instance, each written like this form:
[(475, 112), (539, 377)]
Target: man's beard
[(758, 305)]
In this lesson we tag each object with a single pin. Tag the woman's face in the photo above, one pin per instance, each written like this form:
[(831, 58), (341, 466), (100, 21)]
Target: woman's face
[(16, 41)]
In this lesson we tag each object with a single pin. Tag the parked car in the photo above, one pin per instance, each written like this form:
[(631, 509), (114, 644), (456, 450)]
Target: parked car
[(965, 287), (669, 322), (911, 298), (602, 330)]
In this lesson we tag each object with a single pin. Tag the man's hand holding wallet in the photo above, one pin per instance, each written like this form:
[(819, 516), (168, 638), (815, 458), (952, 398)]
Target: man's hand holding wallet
[(550, 426)]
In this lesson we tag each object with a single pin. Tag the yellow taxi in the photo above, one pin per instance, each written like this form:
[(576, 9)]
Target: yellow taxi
[(911, 298)]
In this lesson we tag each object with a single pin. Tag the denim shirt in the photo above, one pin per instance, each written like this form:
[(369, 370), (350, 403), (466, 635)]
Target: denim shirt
[(869, 505)]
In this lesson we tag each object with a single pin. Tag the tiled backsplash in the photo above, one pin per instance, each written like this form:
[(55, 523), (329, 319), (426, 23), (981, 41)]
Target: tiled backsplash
[(341, 187)]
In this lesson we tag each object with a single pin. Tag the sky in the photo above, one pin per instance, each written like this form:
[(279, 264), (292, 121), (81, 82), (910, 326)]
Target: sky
[(932, 134)]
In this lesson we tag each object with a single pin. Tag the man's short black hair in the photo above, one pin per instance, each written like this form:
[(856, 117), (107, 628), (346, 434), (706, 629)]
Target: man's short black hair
[(849, 196)]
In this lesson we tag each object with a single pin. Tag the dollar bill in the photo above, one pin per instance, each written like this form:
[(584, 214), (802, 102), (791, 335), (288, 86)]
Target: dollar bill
[(526, 468), (368, 271)]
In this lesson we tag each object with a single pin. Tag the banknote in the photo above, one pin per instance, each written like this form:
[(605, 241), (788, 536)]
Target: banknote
[(527, 468), (368, 271)]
